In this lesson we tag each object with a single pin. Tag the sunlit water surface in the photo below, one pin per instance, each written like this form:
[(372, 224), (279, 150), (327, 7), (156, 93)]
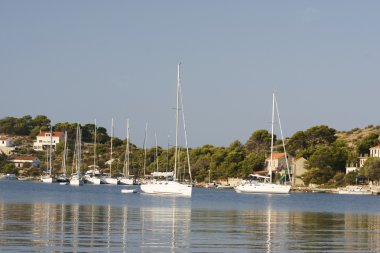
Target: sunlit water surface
[(36, 217)]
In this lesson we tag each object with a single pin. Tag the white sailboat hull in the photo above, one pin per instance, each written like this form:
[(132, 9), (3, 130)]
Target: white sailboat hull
[(167, 188), (92, 180), (109, 180), (126, 181), (263, 188), (76, 181), (47, 180)]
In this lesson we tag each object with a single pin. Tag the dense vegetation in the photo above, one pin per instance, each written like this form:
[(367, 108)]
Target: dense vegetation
[(326, 150)]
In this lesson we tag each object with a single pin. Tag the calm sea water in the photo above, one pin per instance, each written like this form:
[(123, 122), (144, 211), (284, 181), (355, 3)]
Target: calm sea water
[(36, 217)]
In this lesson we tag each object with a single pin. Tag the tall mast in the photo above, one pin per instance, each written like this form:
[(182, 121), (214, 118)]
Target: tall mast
[(95, 132), (155, 137), (167, 156), (64, 155), (283, 141), (126, 173), (185, 130), (79, 140), (176, 125), (74, 162), (111, 148), (50, 149), (272, 140), (145, 137)]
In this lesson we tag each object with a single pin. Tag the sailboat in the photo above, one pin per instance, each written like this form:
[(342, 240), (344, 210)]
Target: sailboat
[(171, 184), (126, 179), (264, 184), (47, 176), (62, 178), (93, 176), (107, 179), (75, 177), (144, 179)]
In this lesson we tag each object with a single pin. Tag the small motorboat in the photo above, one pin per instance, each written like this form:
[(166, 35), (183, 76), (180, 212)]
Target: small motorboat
[(128, 191)]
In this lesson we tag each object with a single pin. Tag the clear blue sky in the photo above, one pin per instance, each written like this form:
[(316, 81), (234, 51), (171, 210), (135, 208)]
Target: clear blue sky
[(80, 60)]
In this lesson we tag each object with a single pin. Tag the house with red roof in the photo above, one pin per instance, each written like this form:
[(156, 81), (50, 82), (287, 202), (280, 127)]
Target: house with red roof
[(21, 161), (278, 161), (47, 139)]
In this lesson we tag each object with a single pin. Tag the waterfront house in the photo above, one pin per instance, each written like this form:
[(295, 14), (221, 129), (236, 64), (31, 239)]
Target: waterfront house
[(279, 161), (21, 161), (45, 140), (373, 152)]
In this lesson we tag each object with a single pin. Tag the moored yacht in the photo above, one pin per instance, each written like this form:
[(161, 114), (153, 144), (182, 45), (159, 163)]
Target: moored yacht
[(264, 184), (171, 184), (107, 178), (125, 178), (76, 179), (47, 177), (92, 177)]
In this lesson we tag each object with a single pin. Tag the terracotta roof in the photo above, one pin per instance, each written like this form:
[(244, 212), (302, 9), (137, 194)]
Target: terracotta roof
[(276, 156), (25, 158), (4, 138), (55, 134)]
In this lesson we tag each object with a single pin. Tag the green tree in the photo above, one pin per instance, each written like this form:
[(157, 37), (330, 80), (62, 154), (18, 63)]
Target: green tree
[(259, 143), (318, 135), (366, 143), (41, 121), (7, 125), (9, 168), (333, 156), (116, 142), (88, 132), (317, 176), (70, 128), (350, 178), (102, 135), (297, 144), (304, 144), (372, 169), (23, 126), (252, 163)]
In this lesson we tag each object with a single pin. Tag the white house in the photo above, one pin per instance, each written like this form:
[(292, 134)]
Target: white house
[(373, 152), (6, 145), (20, 161), (45, 140), (6, 141)]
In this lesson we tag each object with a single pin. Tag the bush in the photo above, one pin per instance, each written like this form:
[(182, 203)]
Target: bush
[(9, 168), (350, 178)]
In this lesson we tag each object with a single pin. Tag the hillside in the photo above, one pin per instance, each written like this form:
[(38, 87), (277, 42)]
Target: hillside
[(354, 136)]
